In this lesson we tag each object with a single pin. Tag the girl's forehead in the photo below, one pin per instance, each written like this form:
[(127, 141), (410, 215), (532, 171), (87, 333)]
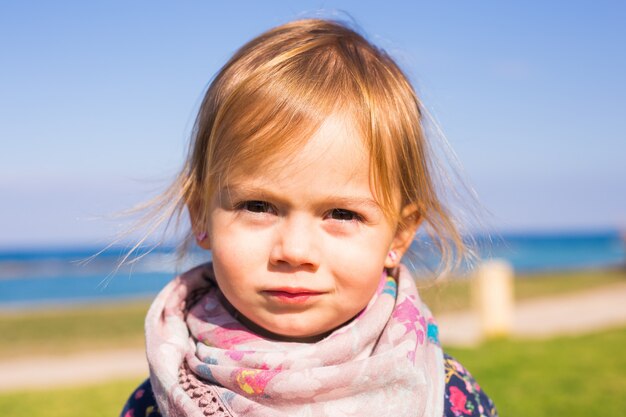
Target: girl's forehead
[(336, 145)]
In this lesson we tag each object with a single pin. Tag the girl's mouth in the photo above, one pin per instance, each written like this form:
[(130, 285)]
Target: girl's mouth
[(292, 295)]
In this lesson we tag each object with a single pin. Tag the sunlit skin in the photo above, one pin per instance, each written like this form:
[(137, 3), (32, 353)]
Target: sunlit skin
[(299, 249)]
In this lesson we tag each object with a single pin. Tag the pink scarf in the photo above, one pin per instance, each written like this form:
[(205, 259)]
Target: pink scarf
[(203, 362)]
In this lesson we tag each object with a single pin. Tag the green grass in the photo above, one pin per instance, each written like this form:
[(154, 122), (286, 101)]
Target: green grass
[(581, 376), (573, 377), (62, 331), (454, 295), (103, 400)]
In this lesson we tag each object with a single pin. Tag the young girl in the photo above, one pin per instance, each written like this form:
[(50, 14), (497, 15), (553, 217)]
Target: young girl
[(307, 179)]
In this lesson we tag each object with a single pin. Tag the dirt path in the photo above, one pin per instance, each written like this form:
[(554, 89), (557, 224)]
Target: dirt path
[(577, 313), (83, 368), (541, 318)]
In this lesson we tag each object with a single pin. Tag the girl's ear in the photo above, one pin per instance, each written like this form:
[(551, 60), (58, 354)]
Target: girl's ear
[(410, 220), (198, 229)]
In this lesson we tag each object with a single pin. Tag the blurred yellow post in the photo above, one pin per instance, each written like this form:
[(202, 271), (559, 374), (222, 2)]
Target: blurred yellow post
[(493, 297)]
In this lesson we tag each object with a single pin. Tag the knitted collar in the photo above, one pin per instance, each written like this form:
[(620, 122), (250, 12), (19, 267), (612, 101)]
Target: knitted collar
[(386, 361)]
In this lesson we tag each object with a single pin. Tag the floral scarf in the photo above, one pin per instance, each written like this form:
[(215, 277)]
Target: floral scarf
[(385, 362)]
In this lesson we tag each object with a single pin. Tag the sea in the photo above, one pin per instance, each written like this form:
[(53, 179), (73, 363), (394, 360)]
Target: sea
[(45, 277)]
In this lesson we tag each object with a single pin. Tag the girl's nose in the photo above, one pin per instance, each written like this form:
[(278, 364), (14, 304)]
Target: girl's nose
[(295, 244)]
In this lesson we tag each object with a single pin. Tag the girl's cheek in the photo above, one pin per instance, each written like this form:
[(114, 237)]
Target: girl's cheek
[(249, 243), (353, 251), (231, 239)]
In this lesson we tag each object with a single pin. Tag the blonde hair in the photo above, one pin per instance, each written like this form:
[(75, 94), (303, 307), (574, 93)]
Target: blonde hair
[(275, 92)]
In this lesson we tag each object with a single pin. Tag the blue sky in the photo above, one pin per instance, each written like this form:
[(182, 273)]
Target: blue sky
[(97, 99)]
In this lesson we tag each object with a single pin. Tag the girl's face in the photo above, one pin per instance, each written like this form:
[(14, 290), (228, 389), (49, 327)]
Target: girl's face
[(299, 249)]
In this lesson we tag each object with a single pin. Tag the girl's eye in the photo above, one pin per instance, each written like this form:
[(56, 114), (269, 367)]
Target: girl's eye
[(343, 215), (256, 206)]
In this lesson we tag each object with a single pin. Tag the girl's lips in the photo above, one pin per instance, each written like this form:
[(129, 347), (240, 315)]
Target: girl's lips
[(292, 295)]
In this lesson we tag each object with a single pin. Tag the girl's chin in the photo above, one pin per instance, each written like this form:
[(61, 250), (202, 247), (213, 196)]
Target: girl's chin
[(275, 331), (285, 335)]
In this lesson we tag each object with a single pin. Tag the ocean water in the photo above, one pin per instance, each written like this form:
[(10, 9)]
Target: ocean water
[(65, 276), (551, 252), (42, 277)]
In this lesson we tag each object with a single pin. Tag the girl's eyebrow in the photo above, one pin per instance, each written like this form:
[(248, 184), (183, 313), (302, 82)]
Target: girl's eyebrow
[(234, 191), (355, 202)]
